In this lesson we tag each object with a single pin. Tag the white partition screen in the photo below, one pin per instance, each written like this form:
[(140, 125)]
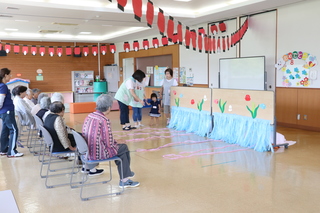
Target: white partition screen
[(243, 73)]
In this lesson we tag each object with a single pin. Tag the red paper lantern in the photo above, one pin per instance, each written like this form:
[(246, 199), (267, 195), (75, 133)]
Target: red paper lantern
[(145, 44), (150, 13), (68, 51), (170, 28), (42, 50), (210, 44), (126, 46), (194, 39), (199, 42), (175, 38), (206, 44), (155, 42), (137, 9), (161, 22), (59, 51), (122, 4), (214, 29), (85, 50), (222, 27), (34, 50), (201, 31), (103, 49), (187, 37), (228, 42), (25, 49), (136, 45), (179, 33), (16, 49), (112, 48), (76, 51), (213, 43), (219, 45), (94, 50), (51, 51), (7, 47), (164, 41), (223, 44)]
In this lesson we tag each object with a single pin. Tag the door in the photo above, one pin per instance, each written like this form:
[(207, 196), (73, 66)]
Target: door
[(308, 107)]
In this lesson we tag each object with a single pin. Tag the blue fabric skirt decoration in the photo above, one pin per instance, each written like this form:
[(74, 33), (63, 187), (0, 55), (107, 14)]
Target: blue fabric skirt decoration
[(242, 130), (191, 120)]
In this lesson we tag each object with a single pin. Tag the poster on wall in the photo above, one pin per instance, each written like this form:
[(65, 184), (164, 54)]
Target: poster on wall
[(158, 75), (149, 70), (183, 76), (176, 73), (297, 69)]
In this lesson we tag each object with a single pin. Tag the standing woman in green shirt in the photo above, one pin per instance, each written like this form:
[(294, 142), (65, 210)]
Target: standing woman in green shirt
[(126, 94)]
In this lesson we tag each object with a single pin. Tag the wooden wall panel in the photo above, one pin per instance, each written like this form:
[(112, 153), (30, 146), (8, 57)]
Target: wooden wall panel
[(56, 70), (286, 105)]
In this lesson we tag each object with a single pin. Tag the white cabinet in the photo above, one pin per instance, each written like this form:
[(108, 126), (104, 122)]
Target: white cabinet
[(111, 73)]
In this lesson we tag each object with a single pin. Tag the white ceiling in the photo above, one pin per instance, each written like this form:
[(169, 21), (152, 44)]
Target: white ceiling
[(109, 24)]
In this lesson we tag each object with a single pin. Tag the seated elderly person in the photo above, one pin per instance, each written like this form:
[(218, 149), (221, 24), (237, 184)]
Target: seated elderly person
[(37, 107), (57, 129), (57, 97), (36, 93), (44, 111), (28, 98), (21, 106), (97, 132)]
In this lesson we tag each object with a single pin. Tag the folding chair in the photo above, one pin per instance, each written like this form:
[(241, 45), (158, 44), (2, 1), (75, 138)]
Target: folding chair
[(83, 150), (22, 124), (49, 143), (39, 123)]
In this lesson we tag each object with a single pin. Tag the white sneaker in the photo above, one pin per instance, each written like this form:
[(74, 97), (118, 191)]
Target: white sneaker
[(141, 125), (18, 154)]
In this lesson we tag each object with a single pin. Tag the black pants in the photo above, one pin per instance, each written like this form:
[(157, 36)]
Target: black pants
[(124, 113), (124, 154)]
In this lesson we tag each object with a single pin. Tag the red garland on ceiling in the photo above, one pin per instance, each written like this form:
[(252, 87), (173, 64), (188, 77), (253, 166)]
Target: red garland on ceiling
[(85, 50), (112, 48), (136, 46), (170, 28), (164, 40), (68, 51), (187, 37), (25, 49), (34, 50), (94, 50), (150, 13), (59, 51), (103, 49), (122, 4), (16, 49), (145, 44), (155, 42), (126, 46), (137, 9), (51, 51), (42, 50), (194, 39), (179, 33), (161, 22)]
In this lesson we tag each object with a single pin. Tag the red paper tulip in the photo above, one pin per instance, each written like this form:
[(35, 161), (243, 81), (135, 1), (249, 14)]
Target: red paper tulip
[(192, 101), (247, 98)]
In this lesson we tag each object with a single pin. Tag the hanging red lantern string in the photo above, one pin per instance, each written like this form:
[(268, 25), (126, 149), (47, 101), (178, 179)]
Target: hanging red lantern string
[(187, 37), (170, 28), (164, 40), (155, 42), (68, 51), (126, 46), (137, 9), (85, 50), (161, 22), (59, 51), (179, 33), (194, 39), (25, 49), (94, 50), (145, 44), (42, 50), (150, 13), (34, 50), (122, 4), (112, 48), (16, 49)]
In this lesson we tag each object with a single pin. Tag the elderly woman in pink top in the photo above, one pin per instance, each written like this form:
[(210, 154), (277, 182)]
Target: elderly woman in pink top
[(98, 134)]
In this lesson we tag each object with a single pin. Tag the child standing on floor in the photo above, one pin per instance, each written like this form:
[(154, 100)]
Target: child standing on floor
[(137, 106), (155, 110)]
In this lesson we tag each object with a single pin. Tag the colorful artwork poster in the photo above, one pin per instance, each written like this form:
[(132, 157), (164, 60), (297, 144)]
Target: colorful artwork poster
[(158, 75), (176, 73), (296, 67), (183, 75)]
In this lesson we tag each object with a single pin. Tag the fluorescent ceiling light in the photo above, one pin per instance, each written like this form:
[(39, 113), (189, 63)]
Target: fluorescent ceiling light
[(85, 33), (57, 36), (10, 29), (22, 20), (183, 0), (81, 3)]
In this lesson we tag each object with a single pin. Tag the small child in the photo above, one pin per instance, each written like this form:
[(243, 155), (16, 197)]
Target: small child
[(155, 109)]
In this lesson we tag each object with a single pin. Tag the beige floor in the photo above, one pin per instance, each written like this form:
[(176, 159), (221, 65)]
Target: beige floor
[(229, 181)]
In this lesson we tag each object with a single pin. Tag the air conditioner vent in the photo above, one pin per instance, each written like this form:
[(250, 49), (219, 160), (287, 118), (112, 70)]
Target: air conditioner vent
[(50, 31), (5, 16), (65, 24)]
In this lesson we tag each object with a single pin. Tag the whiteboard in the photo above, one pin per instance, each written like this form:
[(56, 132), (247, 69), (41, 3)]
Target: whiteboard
[(242, 73)]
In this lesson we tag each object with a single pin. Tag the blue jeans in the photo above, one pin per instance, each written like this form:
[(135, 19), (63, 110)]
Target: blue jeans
[(124, 113), (137, 115), (9, 127)]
